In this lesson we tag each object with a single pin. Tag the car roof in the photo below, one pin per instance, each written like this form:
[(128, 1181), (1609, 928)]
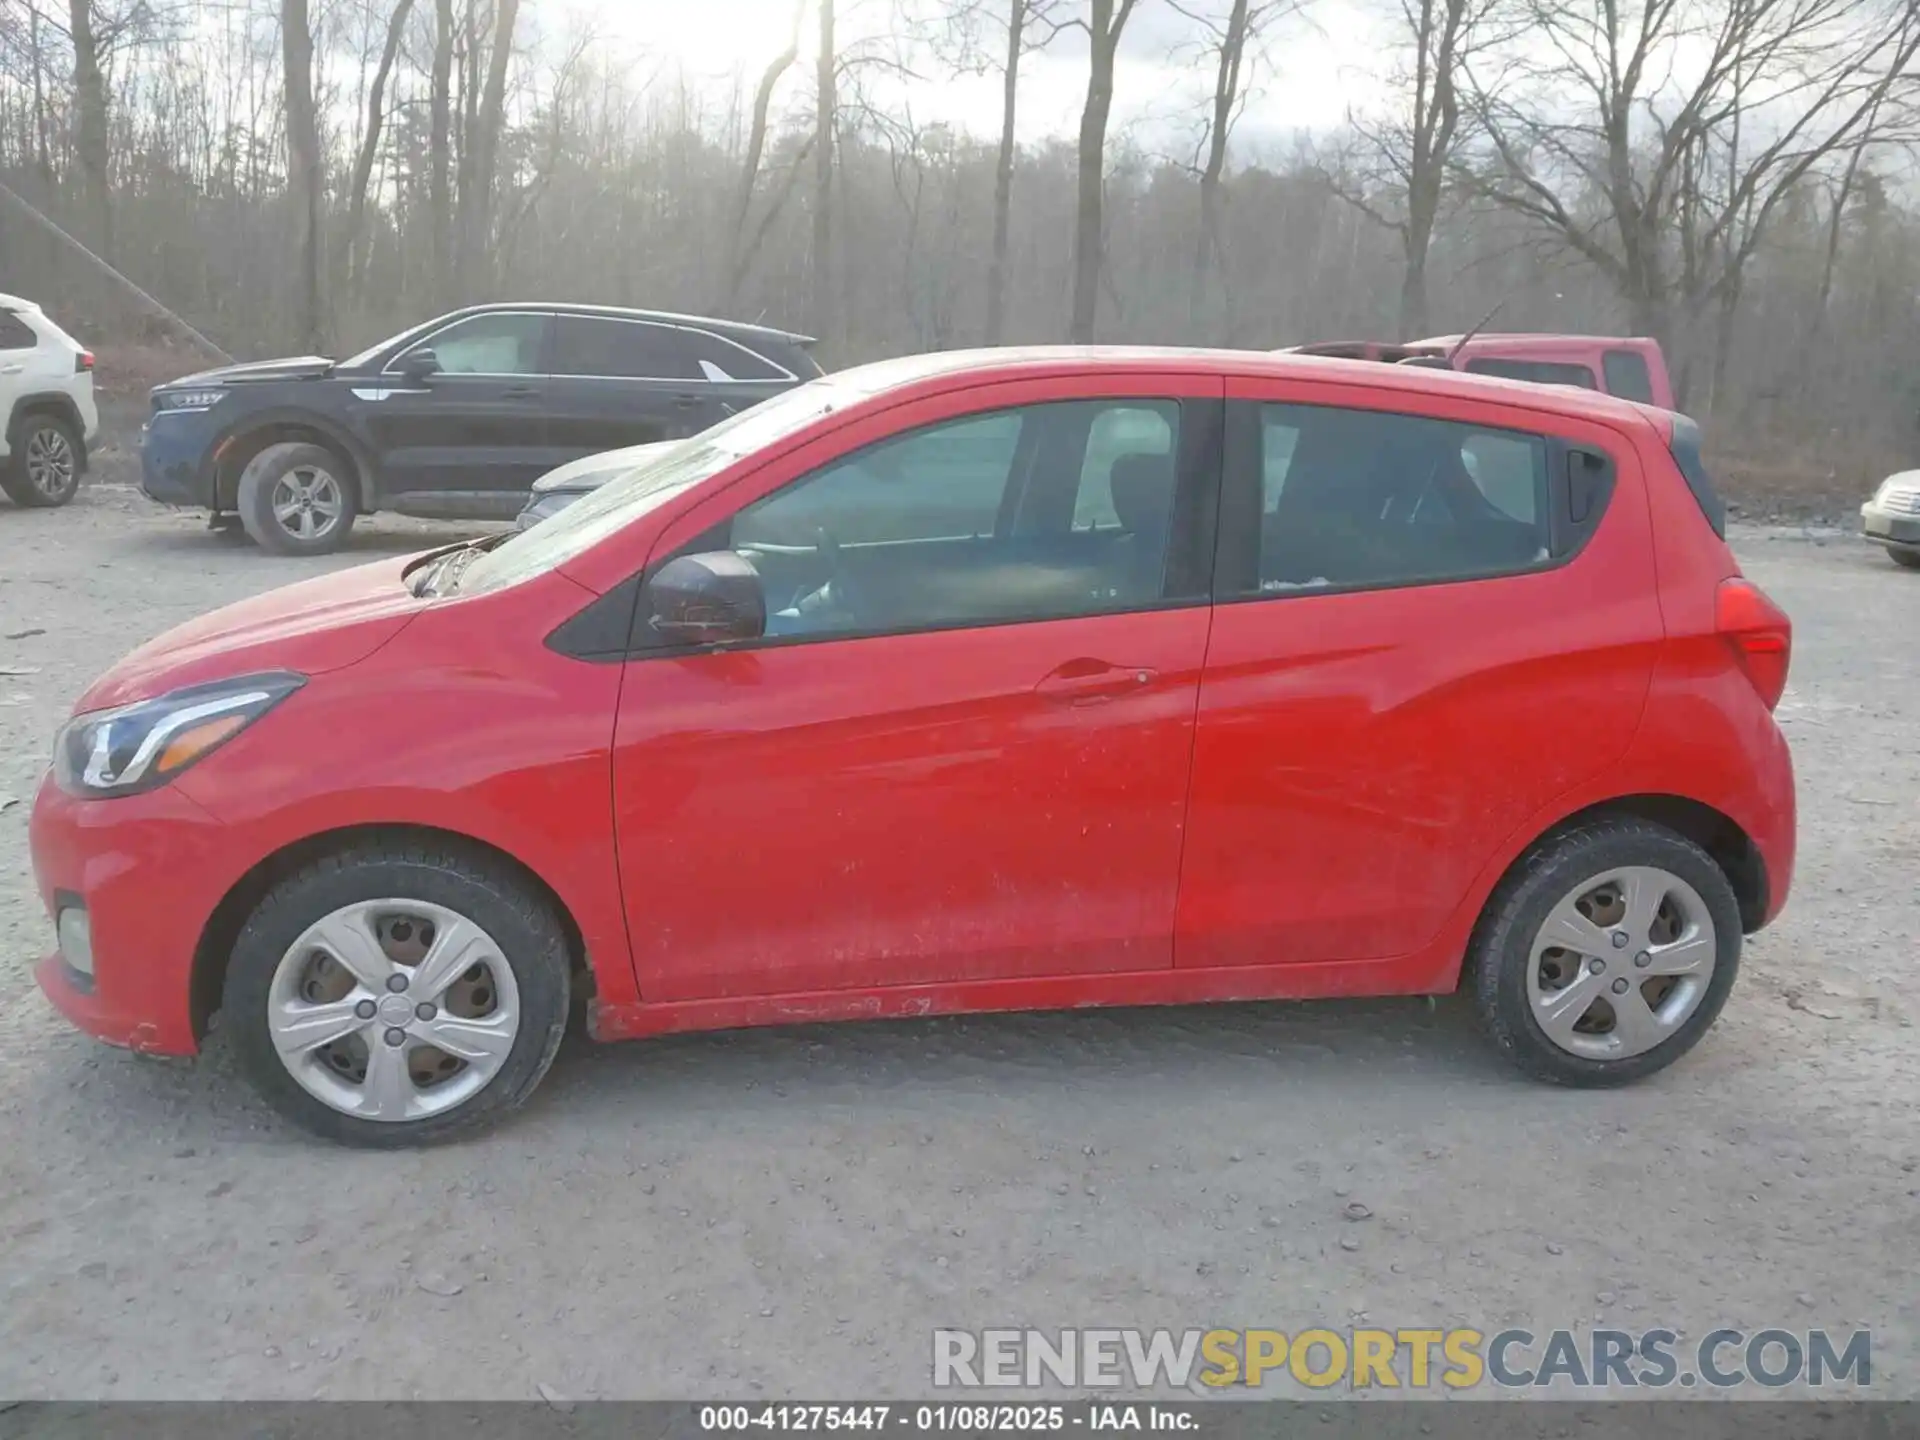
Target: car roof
[(946, 370), (739, 328), (14, 302)]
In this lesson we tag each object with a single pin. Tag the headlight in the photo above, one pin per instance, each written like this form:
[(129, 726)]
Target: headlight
[(136, 747), (189, 399)]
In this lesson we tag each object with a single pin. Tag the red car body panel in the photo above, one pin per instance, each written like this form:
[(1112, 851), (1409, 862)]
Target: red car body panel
[(1307, 795)]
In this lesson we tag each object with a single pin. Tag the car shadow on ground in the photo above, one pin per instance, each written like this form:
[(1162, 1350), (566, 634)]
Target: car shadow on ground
[(1035, 1060)]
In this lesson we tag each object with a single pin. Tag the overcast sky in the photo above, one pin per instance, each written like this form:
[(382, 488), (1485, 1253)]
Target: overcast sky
[(1313, 71)]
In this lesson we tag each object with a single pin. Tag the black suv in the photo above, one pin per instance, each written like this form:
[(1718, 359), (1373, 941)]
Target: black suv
[(455, 419)]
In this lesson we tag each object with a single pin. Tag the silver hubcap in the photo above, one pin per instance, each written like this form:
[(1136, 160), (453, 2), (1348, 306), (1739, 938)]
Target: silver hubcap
[(393, 1009), (307, 502), (1621, 963), (49, 463)]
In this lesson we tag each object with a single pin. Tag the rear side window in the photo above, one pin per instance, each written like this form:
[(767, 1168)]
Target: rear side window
[(1356, 498), (1685, 446), (1627, 376), (592, 346), (14, 334), (1538, 372)]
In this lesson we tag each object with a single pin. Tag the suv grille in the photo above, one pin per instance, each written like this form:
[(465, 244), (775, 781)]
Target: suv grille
[(1902, 500)]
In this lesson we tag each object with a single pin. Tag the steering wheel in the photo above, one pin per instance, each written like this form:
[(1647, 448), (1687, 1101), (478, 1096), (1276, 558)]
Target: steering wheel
[(834, 592)]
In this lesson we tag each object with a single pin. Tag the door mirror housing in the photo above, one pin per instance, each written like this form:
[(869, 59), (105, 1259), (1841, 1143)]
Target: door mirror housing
[(707, 600), (418, 365)]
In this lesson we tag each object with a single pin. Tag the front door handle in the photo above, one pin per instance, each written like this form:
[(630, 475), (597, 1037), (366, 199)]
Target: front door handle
[(687, 402), (520, 392), (1088, 681), (11, 369)]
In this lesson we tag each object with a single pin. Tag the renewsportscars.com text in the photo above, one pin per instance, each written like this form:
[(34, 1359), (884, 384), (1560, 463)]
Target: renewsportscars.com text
[(1402, 1359)]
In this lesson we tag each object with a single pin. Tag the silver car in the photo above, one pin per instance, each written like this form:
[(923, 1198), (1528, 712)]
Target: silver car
[(1892, 517)]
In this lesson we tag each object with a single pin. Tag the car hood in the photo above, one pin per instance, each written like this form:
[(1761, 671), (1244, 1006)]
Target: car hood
[(592, 471), (300, 367), (317, 625)]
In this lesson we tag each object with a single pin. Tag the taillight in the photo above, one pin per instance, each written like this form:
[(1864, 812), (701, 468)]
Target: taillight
[(1759, 633), (83, 362)]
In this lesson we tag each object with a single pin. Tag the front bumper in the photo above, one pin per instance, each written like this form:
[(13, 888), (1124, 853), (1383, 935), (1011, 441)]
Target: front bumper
[(144, 866), (176, 465), (1888, 528)]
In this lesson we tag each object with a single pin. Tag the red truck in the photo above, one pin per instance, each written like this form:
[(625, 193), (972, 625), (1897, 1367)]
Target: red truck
[(1632, 368)]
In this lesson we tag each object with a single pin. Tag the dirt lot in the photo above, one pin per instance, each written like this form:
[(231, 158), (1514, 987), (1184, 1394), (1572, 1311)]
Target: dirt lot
[(791, 1212)]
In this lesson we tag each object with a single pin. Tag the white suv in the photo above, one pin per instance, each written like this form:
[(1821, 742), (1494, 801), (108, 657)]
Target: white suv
[(46, 400)]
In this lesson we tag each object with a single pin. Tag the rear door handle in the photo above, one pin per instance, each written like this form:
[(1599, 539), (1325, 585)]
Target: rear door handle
[(1087, 681), (521, 392), (687, 402), (11, 369)]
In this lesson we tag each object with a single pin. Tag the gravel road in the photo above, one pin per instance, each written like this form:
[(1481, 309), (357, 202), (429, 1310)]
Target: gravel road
[(791, 1212)]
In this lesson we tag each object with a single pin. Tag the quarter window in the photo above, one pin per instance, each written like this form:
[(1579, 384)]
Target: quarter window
[(1041, 512), (1359, 498), (14, 334), (1627, 375)]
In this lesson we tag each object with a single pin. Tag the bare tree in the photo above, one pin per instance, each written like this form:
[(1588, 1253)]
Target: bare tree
[(440, 143), (1399, 161), (1105, 21), (1666, 188), (370, 138), (90, 104), (306, 176), (483, 146), (742, 247), (826, 75)]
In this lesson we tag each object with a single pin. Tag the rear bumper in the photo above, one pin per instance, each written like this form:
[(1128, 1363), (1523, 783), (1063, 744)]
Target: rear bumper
[(1887, 528)]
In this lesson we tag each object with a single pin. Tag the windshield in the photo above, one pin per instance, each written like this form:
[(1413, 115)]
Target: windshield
[(652, 482)]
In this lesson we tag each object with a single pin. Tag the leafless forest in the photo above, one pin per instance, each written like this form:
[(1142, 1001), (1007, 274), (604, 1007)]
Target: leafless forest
[(1731, 176)]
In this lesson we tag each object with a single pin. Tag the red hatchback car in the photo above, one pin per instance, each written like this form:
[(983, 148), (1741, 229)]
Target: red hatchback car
[(966, 682)]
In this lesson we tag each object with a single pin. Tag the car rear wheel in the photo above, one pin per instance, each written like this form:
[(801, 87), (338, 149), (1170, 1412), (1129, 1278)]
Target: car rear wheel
[(1909, 559), (44, 468), (1606, 954), (394, 995), (297, 499)]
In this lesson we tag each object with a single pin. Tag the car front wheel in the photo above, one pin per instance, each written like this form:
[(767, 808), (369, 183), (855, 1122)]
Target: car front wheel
[(396, 995), (297, 499), (1606, 954)]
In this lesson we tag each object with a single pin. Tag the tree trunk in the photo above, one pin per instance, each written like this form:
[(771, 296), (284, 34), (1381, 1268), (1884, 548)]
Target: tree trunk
[(90, 99), (1107, 19), (477, 229), (739, 257), (1208, 261), (370, 140), (1414, 320), (304, 174), (1003, 174), (440, 152), (825, 108)]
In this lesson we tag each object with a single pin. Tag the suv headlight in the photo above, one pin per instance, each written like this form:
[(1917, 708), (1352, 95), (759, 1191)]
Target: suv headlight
[(189, 399), (137, 747)]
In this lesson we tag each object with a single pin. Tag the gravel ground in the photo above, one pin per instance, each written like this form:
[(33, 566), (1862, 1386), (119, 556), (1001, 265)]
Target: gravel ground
[(791, 1212)]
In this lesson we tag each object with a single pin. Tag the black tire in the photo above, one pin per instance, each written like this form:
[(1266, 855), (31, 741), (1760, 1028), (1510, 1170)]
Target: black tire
[(254, 499), (479, 887), (1906, 559), (1502, 945), (40, 430)]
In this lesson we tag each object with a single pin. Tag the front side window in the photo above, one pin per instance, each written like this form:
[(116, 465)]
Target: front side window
[(1038, 512), (1359, 498), (498, 344)]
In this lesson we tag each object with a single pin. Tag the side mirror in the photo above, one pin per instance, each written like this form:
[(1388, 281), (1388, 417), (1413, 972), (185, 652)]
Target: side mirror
[(707, 599), (418, 365)]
